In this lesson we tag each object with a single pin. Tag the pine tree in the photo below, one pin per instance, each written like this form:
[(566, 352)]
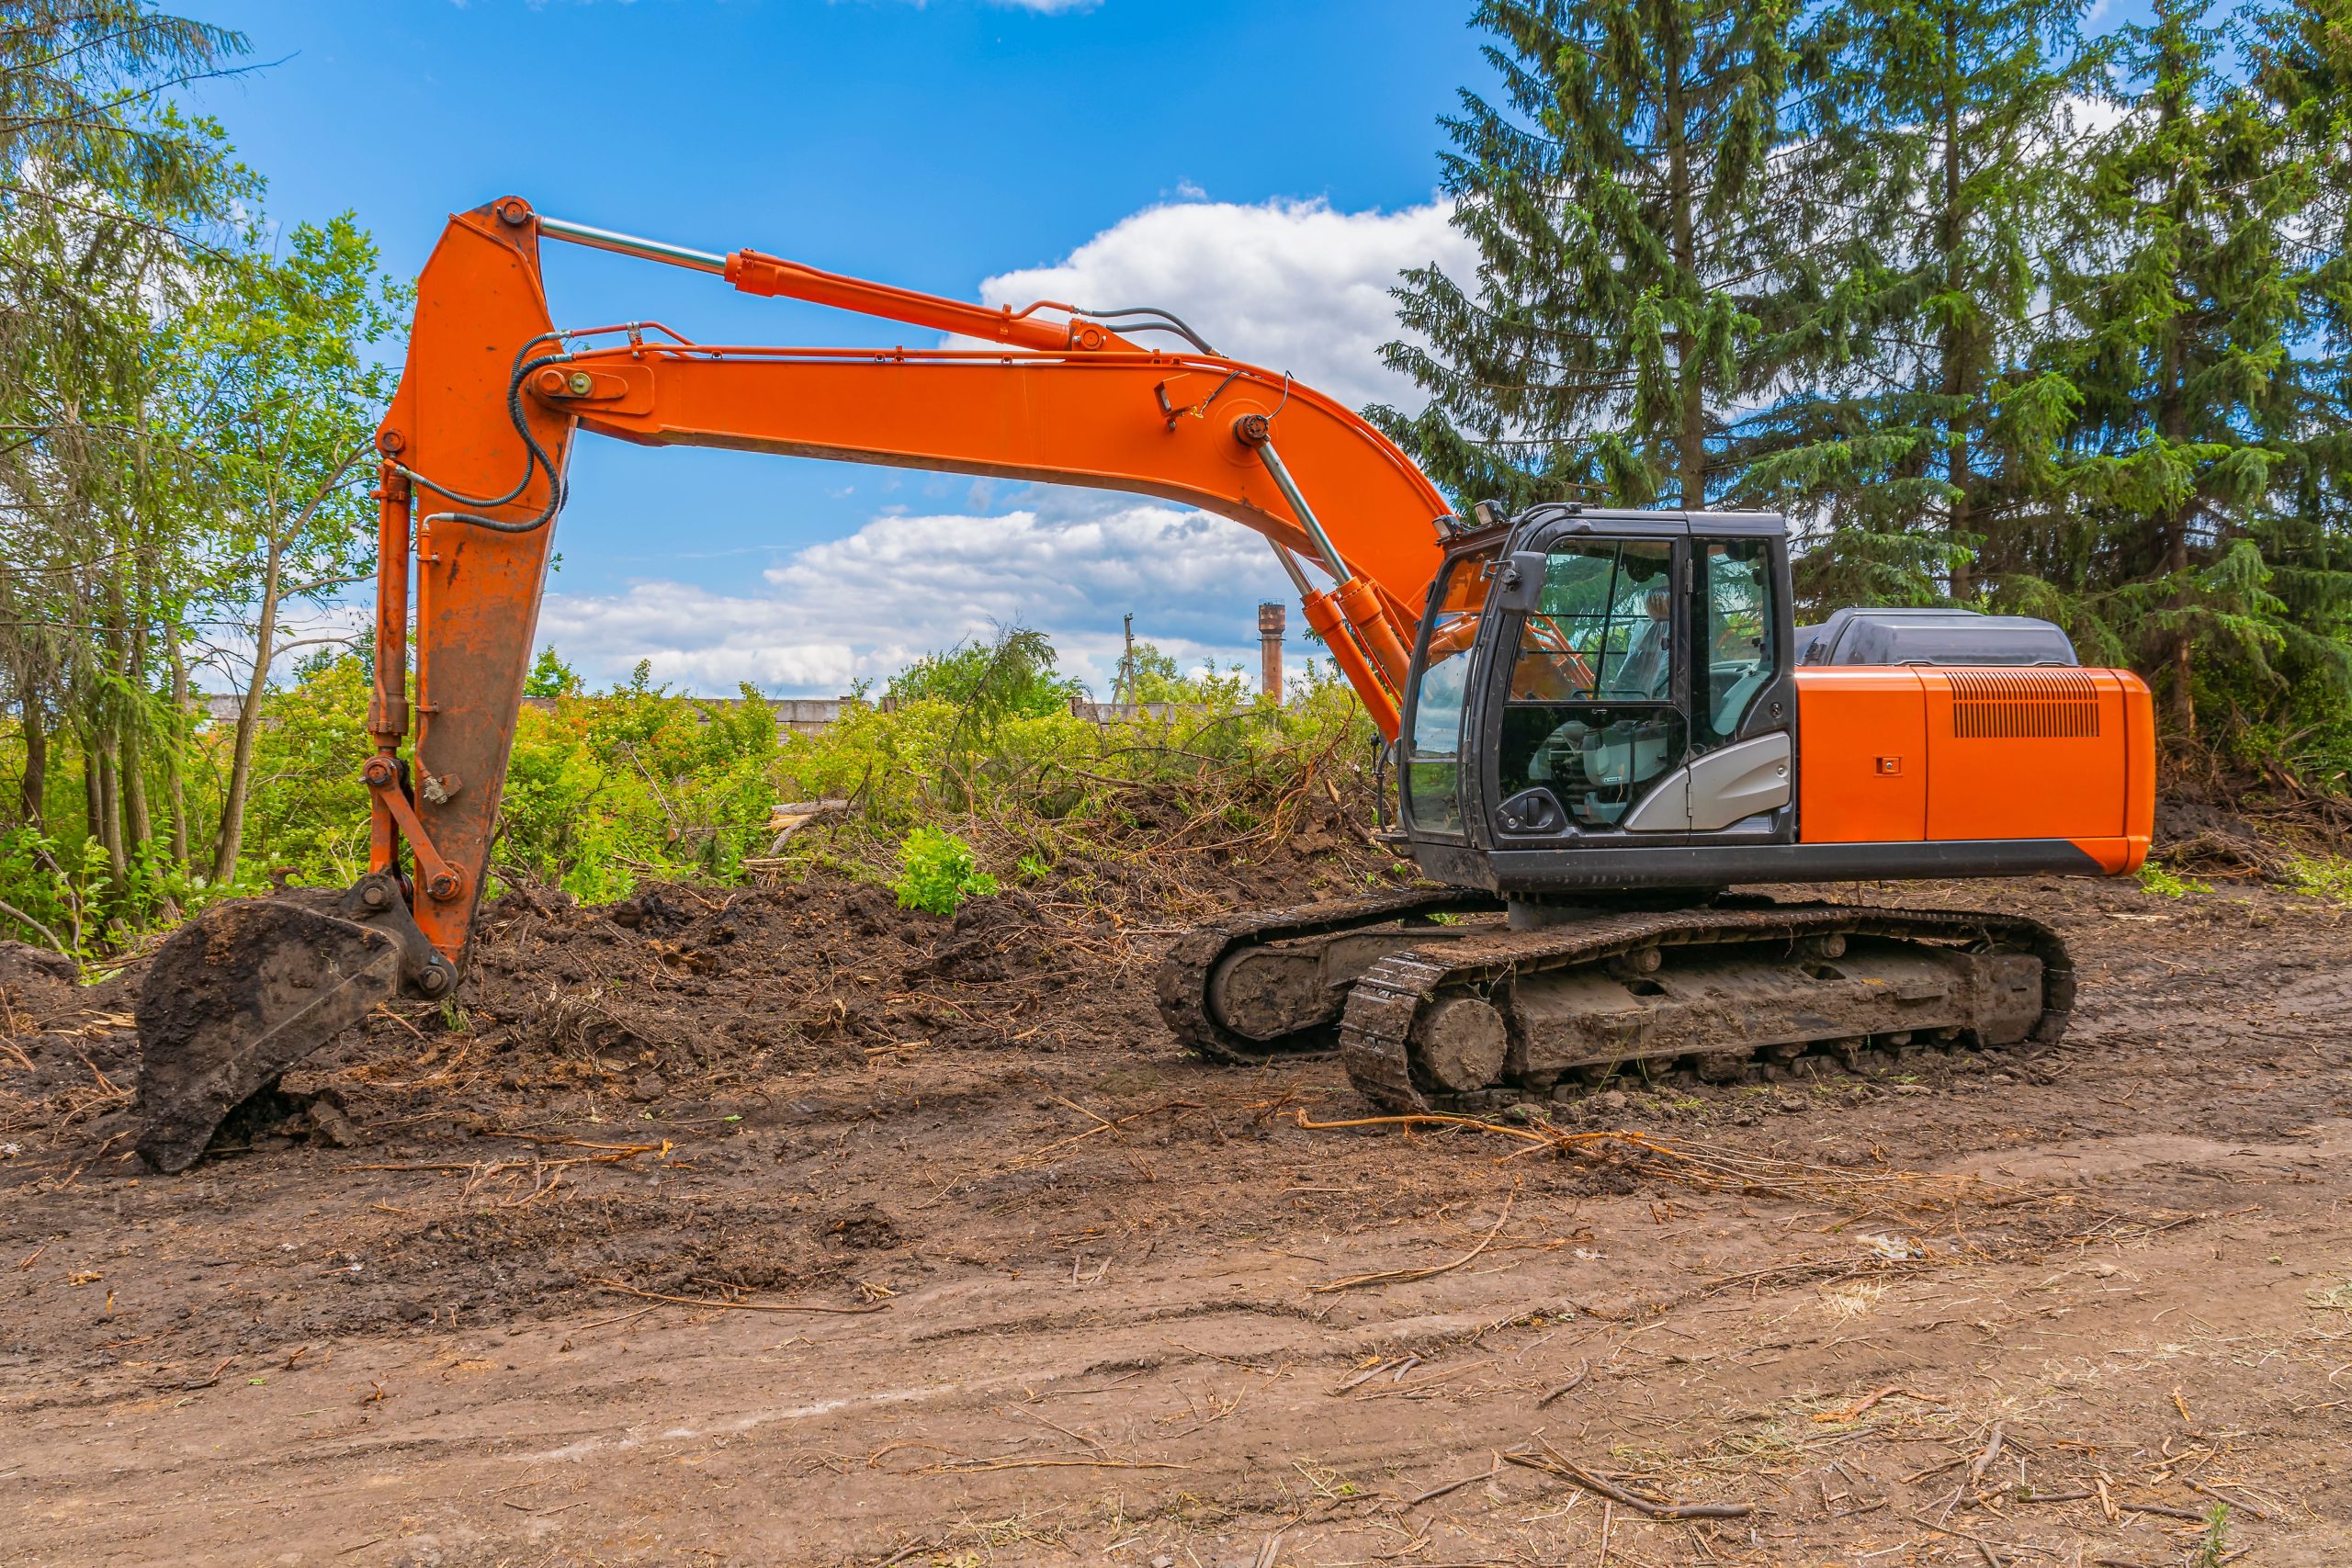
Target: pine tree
[(1621, 199), (1934, 132), (2300, 58), (2179, 312)]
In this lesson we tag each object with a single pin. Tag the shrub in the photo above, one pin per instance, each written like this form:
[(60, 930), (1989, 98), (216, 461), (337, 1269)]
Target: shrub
[(2155, 878), (2321, 876), (938, 871)]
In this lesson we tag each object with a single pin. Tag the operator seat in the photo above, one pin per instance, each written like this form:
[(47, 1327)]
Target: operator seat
[(1647, 667)]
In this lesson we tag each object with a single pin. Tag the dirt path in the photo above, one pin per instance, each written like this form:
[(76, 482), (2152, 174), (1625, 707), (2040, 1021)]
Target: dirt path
[(2016, 1311)]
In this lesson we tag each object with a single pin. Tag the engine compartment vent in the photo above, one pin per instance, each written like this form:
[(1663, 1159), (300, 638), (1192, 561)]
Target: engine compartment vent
[(2023, 705)]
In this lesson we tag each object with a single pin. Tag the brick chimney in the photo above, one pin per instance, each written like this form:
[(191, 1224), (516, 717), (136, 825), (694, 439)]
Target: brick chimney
[(1270, 650)]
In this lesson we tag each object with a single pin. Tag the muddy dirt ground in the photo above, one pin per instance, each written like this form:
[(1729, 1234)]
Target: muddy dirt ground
[(783, 1227)]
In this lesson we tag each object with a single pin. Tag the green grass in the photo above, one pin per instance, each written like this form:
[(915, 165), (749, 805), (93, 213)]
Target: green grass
[(2164, 884), (2321, 876), (2214, 1549)]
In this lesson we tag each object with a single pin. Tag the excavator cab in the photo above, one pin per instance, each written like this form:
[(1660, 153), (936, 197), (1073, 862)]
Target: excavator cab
[(1592, 680)]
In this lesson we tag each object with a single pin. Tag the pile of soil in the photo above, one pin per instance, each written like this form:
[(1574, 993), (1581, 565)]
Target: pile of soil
[(697, 1001), (75, 1055)]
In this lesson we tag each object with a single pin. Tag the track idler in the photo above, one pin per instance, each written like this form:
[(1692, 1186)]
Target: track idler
[(1253, 986), (252, 986)]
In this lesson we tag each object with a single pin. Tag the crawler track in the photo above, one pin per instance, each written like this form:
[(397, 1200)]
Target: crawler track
[(1381, 1033), (1185, 975)]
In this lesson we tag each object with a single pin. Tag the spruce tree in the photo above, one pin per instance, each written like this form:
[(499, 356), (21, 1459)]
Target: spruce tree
[(1934, 133), (1620, 197), (2178, 308), (2299, 59)]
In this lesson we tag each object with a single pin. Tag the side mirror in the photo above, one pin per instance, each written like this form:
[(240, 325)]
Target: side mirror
[(1520, 584)]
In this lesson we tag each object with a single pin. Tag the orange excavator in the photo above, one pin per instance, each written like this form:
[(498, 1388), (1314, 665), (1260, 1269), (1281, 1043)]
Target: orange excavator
[(1603, 722)]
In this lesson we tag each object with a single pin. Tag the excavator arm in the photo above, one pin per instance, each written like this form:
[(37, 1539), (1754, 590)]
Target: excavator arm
[(474, 450)]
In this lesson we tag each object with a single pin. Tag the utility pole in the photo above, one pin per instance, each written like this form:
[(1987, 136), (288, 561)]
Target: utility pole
[(1126, 682), (1269, 651)]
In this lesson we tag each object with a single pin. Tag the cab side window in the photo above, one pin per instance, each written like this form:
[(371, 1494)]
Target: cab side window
[(1602, 631), (1736, 651)]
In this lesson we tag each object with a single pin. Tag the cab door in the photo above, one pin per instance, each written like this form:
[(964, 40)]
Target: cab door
[(1742, 774), (1430, 750), (1586, 708)]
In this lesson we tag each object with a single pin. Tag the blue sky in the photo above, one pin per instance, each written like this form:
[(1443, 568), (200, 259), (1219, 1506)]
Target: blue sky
[(1263, 168)]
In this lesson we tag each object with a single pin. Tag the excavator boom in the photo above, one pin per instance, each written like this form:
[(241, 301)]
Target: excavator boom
[(473, 452)]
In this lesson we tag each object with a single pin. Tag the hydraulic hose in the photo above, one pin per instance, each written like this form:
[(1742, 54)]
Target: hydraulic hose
[(534, 456)]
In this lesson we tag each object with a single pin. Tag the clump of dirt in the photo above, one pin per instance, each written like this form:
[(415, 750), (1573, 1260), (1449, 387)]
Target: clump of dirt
[(72, 1043), (32, 976)]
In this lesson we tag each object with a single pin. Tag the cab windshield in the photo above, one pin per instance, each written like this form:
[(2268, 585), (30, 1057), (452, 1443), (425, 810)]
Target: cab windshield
[(1590, 717)]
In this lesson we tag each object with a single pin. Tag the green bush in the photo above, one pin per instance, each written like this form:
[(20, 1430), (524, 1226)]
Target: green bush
[(938, 871), (610, 789), (2321, 876), (2155, 878)]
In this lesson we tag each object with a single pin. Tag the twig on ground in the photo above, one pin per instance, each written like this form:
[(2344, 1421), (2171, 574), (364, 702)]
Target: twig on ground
[(1441, 1490), (1854, 1410), (1583, 1370), (966, 1467), (1555, 1462), (1979, 1542), (2232, 1501), (619, 1289), (1396, 1276), (1983, 1461)]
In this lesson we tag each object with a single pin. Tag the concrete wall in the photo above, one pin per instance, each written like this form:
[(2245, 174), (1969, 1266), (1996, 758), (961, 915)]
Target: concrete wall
[(794, 715)]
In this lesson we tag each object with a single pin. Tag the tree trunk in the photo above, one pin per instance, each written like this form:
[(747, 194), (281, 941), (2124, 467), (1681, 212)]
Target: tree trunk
[(109, 782), (2171, 527), (138, 822), (32, 790), (231, 842), (175, 787), (1956, 346), (1690, 468)]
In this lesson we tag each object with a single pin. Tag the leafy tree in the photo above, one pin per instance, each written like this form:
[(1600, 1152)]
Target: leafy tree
[(1622, 202), (1158, 679), (1011, 675), (551, 677), (108, 197), (289, 394)]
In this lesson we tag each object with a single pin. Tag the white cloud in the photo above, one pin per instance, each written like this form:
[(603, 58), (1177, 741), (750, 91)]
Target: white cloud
[(1289, 284), (903, 586), (1292, 285)]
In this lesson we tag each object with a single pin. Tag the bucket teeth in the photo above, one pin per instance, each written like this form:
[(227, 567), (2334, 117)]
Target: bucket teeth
[(238, 996)]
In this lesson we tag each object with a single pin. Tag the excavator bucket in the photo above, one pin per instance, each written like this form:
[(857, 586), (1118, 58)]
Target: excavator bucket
[(251, 988)]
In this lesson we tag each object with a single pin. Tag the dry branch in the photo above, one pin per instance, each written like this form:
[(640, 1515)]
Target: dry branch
[(1397, 1276)]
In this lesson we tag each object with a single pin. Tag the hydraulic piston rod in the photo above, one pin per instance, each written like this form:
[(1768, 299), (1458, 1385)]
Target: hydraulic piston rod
[(631, 245)]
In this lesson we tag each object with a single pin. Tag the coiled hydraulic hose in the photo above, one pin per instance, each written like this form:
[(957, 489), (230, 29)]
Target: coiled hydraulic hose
[(534, 456)]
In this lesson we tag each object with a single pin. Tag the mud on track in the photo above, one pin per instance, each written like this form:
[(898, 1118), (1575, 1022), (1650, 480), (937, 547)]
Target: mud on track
[(973, 1266)]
